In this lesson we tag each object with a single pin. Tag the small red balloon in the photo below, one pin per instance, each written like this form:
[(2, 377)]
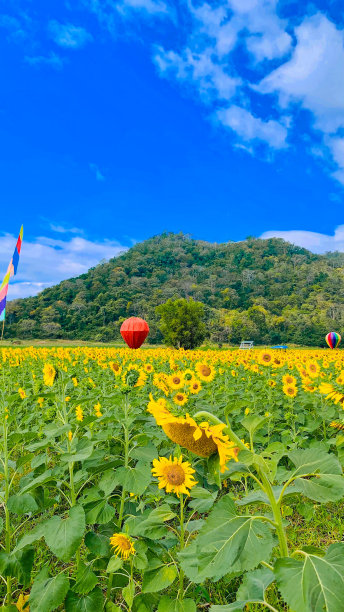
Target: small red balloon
[(134, 332)]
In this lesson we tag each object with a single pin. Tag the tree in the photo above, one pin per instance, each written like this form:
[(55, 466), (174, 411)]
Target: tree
[(181, 323)]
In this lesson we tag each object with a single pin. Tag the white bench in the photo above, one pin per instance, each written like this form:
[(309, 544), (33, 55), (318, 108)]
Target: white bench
[(246, 344)]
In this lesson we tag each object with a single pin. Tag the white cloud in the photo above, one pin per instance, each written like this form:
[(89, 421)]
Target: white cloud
[(61, 229), (98, 174), (152, 7), (263, 31), (314, 73), (46, 261), (315, 242), (49, 60), (68, 35), (251, 128), (205, 62), (201, 69)]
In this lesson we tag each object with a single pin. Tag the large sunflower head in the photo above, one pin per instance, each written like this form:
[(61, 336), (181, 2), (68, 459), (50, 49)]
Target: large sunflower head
[(206, 372), (201, 439), (290, 390), (312, 368), (176, 380), (123, 545), (265, 358), (174, 475)]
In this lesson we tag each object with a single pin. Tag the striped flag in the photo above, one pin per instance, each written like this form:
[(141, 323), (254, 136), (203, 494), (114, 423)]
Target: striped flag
[(11, 271)]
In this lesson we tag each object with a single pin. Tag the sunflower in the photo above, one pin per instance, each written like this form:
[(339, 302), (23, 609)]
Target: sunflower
[(22, 393), (308, 385), (160, 382), (205, 371), (148, 368), (272, 383), (20, 605), (290, 390), (180, 398), (195, 387), (189, 376), (313, 369), (79, 413), (123, 545), (288, 379), (330, 392), (174, 475), (49, 374), (265, 358), (176, 380), (277, 362), (336, 425), (116, 368), (201, 439)]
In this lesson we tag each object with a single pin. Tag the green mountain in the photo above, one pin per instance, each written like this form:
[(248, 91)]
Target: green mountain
[(268, 291)]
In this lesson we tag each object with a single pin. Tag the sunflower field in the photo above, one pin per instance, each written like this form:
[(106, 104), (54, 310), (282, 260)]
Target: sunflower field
[(171, 481)]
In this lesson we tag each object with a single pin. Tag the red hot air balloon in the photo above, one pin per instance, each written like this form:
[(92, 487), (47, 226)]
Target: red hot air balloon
[(134, 332)]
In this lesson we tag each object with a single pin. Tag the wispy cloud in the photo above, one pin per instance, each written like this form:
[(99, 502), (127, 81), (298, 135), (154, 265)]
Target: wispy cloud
[(250, 128), (62, 229), (53, 60), (98, 174), (313, 241), (68, 35), (45, 261)]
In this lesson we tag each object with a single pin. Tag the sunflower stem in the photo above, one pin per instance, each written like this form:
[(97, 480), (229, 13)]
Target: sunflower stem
[(181, 542)]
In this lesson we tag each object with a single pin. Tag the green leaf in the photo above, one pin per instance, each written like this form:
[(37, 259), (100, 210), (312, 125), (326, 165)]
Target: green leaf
[(36, 534), (63, 536), (17, 564), (22, 504), (128, 593), (86, 579), (83, 450), (100, 512), (158, 579), (108, 482), (326, 485), (1, 524), (202, 499), (315, 584), (151, 523), (111, 607), (166, 604), (97, 544), (37, 482), (48, 593), (252, 589), (144, 453), (135, 480), (114, 564), (92, 602), (227, 543), (253, 423)]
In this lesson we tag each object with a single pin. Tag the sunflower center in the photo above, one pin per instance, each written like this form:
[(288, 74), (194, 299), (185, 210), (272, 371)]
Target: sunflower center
[(206, 371), (124, 543), (175, 475), (267, 358), (176, 380), (180, 397)]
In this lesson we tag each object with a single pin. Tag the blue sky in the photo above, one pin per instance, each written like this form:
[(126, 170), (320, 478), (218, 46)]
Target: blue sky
[(122, 119)]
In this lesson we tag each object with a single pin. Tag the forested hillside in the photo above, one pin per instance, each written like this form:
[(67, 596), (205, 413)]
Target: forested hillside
[(268, 291)]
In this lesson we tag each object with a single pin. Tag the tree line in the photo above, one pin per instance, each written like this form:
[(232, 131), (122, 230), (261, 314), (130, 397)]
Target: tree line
[(268, 291)]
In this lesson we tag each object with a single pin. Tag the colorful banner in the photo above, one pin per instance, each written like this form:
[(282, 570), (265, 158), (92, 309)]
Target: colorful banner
[(11, 271)]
